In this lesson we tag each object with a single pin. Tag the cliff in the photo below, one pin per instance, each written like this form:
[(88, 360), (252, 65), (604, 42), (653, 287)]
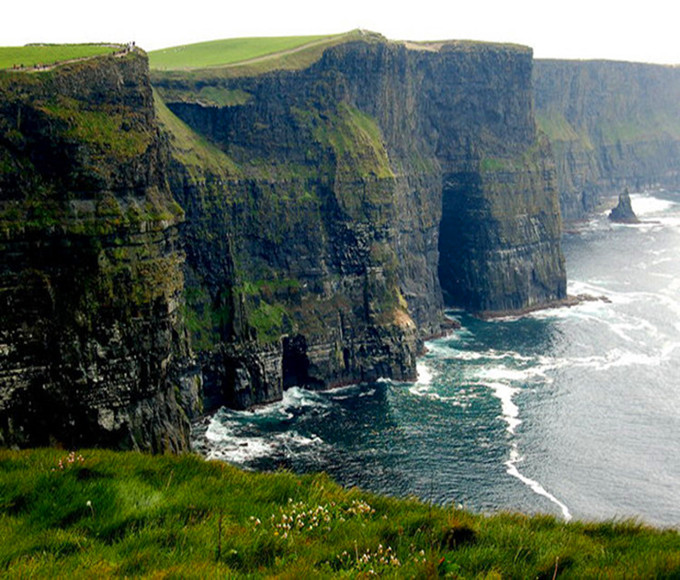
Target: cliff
[(91, 271), (611, 125), (357, 190), (287, 227)]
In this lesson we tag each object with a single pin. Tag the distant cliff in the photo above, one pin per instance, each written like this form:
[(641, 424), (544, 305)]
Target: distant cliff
[(300, 227), (611, 125)]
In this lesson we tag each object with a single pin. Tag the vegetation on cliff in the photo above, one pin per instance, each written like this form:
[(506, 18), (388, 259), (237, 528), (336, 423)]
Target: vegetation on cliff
[(106, 514), (91, 275)]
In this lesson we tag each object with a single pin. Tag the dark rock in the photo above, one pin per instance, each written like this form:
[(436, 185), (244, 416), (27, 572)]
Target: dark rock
[(458, 536), (92, 343), (304, 235), (340, 201), (623, 212)]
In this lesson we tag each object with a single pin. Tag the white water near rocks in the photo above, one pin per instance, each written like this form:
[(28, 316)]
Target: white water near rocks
[(572, 411)]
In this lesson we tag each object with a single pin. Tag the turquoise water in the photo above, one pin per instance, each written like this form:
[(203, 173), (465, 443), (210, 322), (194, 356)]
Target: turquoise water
[(573, 412)]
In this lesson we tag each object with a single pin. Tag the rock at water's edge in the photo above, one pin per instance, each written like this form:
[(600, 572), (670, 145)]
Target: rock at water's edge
[(623, 212)]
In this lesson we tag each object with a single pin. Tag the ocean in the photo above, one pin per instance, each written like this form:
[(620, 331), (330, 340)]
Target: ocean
[(573, 412)]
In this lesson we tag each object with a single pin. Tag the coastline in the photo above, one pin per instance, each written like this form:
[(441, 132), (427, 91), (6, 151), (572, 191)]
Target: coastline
[(568, 302)]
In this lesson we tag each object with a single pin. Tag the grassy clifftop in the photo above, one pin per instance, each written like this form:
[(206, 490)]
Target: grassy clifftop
[(248, 56), (104, 514), (49, 54), (228, 51)]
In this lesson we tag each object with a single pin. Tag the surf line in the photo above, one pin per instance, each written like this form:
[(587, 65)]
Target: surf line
[(511, 416)]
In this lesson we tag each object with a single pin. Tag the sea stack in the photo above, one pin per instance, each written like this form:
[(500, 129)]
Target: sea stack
[(623, 213)]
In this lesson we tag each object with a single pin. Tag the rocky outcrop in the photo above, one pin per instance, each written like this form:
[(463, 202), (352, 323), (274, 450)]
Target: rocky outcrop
[(623, 212), (91, 273), (611, 125)]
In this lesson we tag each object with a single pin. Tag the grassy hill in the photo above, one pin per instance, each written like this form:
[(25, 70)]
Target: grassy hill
[(103, 514), (226, 52), (247, 56), (48, 54)]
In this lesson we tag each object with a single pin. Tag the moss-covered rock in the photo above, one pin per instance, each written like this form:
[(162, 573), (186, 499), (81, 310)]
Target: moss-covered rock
[(91, 333)]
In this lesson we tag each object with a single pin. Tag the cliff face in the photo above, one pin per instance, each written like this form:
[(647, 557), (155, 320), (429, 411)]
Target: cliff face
[(287, 228), (330, 203), (467, 110), (91, 273), (611, 125)]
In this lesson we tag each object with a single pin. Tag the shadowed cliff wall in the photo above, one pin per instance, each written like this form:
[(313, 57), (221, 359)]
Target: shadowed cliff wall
[(288, 228), (91, 271)]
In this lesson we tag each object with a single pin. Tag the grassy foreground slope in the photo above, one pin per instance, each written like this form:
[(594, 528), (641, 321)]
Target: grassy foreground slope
[(48, 54), (102, 514)]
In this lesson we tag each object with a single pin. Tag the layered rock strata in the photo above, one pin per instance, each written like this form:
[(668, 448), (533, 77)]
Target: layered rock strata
[(355, 191), (284, 228), (91, 273), (611, 125)]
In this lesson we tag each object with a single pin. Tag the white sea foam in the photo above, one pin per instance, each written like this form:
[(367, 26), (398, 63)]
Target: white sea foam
[(427, 392), (491, 355), (622, 358), (668, 221), (500, 373), (535, 486), (510, 414), (592, 287), (218, 430), (645, 205), (425, 375), (509, 410), (419, 389), (441, 350), (238, 449), (230, 442), (298, 398), (294, 398), (342, 390)]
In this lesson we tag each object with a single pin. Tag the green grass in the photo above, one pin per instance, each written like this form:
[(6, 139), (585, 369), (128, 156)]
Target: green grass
[(109, 130), (47, 54), (189, 147), (128, 514), (246, 56), (650, 126), (226, 52)]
